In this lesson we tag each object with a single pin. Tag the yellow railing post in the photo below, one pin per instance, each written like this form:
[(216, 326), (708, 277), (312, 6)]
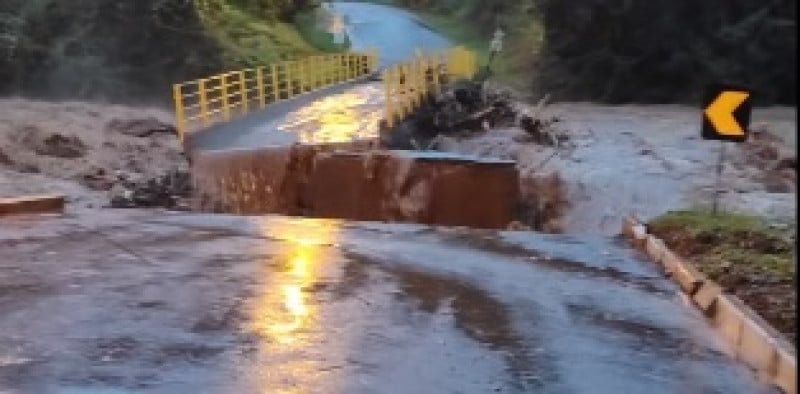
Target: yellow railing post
[(412, 85), (203, 98), (317, 72), (276, 93), (320, 73), (287, 75), (262, 99), (300, 69), (348, 67), (419, 76), (387, 86), (340, 68), (335, 67), (341, 74), (407, 90), (308, 69), (243, 92), (226, 109), (180, 121), (349, 61), (327, 70)]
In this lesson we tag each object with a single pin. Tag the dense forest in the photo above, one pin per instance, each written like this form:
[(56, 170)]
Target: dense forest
[(129, 50), (640, 51)]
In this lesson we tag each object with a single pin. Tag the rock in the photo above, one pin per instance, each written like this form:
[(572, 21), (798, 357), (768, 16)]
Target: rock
[(56, 145), (97, 179), (27, 168), (5, 159), (518, 226), (541, 131), (167, 191), (766, 152), (140, 127), (786, 163)]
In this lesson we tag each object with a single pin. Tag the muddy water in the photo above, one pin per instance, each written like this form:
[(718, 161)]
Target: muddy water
[(137, 301), (641, 159)]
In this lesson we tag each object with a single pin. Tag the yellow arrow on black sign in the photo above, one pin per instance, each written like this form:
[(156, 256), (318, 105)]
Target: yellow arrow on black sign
[(727, 114)]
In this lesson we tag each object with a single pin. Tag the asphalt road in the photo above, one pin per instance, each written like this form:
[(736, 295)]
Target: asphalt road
[(152, 302), (395, 33)]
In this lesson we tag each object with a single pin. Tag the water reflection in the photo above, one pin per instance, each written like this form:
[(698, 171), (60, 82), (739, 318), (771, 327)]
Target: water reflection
[(285, 315), (338, 118)]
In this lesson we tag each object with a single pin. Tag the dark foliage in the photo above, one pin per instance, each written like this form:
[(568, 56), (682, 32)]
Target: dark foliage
[(667, 50)]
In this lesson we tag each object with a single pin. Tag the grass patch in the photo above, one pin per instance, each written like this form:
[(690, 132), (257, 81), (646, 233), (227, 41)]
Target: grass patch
[(746, 255), (744, 241), (521, 45), (248, 40)]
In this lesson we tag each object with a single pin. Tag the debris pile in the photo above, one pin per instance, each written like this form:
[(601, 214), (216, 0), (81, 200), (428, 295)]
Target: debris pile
[(144, 127), (540, 129), (463, 108), (778, 166), (543, 203), (171, 191), (52, 144)]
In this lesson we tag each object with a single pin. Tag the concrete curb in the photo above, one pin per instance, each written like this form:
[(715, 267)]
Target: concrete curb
[(32, 204), (753, 340)]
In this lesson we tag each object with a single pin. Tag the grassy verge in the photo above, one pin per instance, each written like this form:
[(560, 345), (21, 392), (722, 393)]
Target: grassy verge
[(248, 40), (522, 43), (746, 255)]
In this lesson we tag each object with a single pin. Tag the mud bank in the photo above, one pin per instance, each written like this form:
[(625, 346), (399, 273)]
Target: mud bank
[(82, 150)]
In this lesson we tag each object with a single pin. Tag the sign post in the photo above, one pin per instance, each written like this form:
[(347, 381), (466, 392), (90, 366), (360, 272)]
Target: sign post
[(726, 118), (496, 45), (338, 29)]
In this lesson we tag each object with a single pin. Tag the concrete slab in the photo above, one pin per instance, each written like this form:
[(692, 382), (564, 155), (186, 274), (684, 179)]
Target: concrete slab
[(32, 204)]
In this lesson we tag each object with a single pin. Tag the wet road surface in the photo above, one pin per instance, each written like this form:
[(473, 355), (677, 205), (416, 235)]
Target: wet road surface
[(344, 113), (144, 301)]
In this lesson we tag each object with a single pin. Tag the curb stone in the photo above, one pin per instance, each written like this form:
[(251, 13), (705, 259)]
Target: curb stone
[(655, 248), (32, 205), (753, 341)]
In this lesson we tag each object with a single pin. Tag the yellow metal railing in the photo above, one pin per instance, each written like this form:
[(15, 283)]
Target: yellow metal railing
[(204, 102), (406, 85)]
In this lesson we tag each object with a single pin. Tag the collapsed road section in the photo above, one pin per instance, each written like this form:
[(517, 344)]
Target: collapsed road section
[(373, 185)]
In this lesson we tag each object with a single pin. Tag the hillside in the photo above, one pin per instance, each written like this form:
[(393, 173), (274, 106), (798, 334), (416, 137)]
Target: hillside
[(132, 50)]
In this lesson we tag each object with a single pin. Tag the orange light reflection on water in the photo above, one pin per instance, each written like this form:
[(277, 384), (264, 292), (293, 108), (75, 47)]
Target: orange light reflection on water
[(338, 118), (284, 314)]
